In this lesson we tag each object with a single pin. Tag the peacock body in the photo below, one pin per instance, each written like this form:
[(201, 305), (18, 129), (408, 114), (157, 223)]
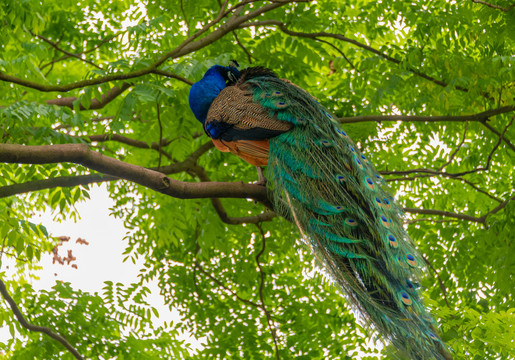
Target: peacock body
[(320, 180)]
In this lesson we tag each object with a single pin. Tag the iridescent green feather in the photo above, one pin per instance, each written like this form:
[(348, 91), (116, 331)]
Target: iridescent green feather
[(321, 180)]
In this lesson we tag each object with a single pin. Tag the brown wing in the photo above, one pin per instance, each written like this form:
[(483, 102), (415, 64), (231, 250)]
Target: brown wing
[(234, 108)]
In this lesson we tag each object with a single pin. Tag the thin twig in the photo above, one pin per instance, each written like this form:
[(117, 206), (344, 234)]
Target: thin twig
[(338, 50), (128, 141), (92, 120), (107, 39), (249, 56), (225, 287), (493, 6), (261, 287), (414, 221), (201, 173), (480, 117), (55, 46), (457, 148), (185, 18), (187, 47), (42, 329), (492, 129), (459, 174), (316, 35), (442, 286), (160, 136), (480, 220), (2, 251)]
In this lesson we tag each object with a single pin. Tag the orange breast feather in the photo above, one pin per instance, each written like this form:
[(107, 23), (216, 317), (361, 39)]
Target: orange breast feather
[(255, 152)]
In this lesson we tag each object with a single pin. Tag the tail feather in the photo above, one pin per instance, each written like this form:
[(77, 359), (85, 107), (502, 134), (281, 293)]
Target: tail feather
[(321, 180)]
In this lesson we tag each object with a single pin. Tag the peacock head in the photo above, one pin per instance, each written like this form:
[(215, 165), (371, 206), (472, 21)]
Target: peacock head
[(230, 73), (203, 92)]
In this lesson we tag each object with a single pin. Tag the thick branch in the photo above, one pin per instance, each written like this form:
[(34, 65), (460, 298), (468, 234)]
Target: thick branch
[(42, 329), (72, 181), (81, 154), (62, 181)]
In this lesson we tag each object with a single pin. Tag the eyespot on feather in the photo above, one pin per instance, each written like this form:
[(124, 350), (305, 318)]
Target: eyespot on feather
[(405, 298), (352, 149), (370, 183), (281, 104), (392, 241), (379, 202), (358, 162), (351, 222), (340, 178), (384, 221), (387, 204), (410, 259), (432, 336), (277, 93)]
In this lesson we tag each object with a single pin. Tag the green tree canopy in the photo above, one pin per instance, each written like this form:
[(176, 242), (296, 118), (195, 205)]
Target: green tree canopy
[(96, 92)]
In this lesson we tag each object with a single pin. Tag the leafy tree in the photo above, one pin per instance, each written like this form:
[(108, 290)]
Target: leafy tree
[(96, 92)]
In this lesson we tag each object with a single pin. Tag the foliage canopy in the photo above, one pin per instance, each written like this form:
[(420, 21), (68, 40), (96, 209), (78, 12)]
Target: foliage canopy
[(98, 90)]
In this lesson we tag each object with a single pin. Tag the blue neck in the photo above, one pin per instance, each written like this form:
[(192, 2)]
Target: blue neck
[(203, 93)]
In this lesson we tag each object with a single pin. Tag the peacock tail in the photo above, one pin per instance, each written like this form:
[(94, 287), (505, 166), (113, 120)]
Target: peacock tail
[(319, 179)]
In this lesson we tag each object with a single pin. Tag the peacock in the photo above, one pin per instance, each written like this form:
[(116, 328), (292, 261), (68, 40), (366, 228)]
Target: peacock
[(320, 180)]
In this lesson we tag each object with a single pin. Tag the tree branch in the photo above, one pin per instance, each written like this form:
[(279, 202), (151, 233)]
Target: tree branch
[(453, 175), (440, 282), (62, 181), (42, 329), (481, 117), (107, 39), (481, 220), (493, 6), (95, 103), (223, 286), (187, 47), (55, 46), (72, 181), (81, 154), (201, 173), (492, 129), (92, 120), (316, 35), (249, 56), (261, 287), (457, 148)]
